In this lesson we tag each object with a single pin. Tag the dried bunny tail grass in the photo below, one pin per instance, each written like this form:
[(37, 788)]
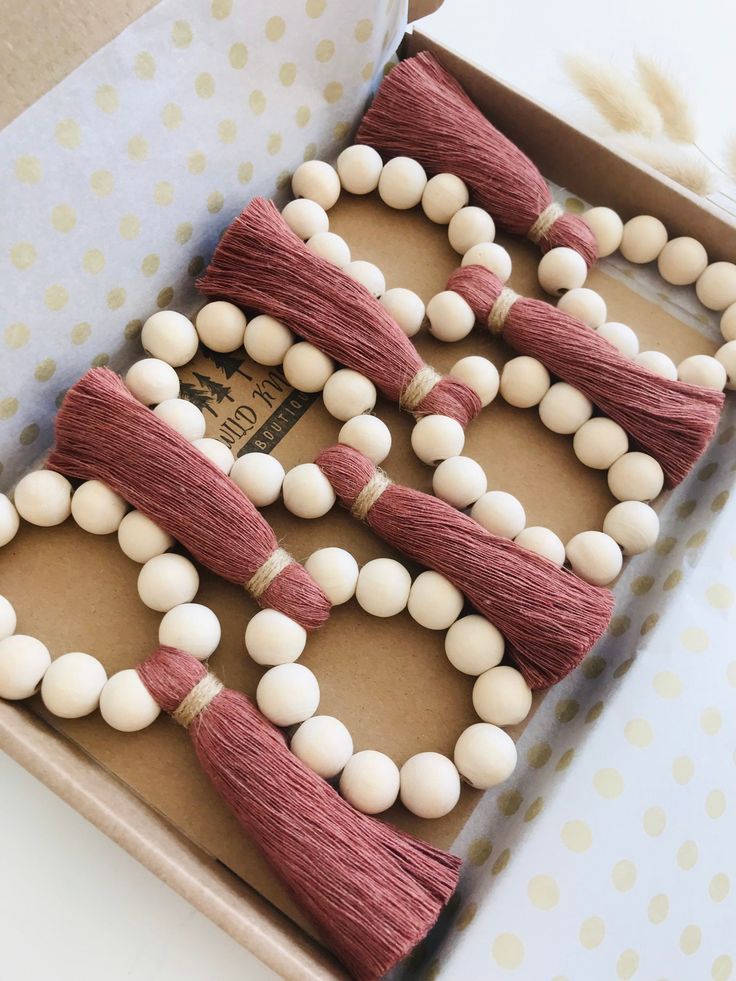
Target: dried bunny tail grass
[(669, 98), (617, 98), (683, 168)]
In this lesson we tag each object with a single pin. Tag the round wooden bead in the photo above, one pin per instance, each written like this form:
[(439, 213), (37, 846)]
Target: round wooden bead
[(599, 443), (330, 247), (480, 374), (544, 542), (621, 336), (468, 227), (288, 694), (9, 520), (406, 308), (323, 743), (383, 587), (443, 196), (491, 256), (460, 481), (273, 638), (643, 239), (359, 168), (658, 363), (682, 261), (306, 368), (402, 183), (703, 370), (23, 663), (727, 357), (347, 393), (216, 452), (318, 181), (633, 525), (97, 509), (564, 409), (561, 269), (434, 602), (191, 627), (259, 476), (473, 645), (307, 492), (152, 381), (369, 435), (500, 513), (44, 498), (370, 782), (635, 477), (221, 326), (501, 696), (267, 340), (524, 382), (171, 337), (607, 228), (436, 438), (141, 539), (336, 573), (450, 316), (8, 620), (305, 218), (368, 275), (728, 323), (126, 704), (166, 581), (182, 416), (595, 557), (716, 286), (72, 685), (430, 785), (485, 755), (584, 305)]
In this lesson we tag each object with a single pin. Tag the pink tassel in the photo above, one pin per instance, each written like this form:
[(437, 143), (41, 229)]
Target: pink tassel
[(550, 617), (420, 111), (372, 891), (104, 433), (259, 262), (671, 420)]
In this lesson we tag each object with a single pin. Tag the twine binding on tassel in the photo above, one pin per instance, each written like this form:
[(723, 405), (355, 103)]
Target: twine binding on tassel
[(501, 309), (369, 495), (274, 565), (419, 388), (194, 703), (543, 225)]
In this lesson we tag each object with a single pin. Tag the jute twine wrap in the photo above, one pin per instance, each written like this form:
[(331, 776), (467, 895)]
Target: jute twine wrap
[(197, 700), (501, 309), (544, 222), (370, 494), (419, 388), (272, 567)]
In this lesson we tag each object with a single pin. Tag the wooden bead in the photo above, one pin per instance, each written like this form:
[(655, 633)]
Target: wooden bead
[(383, 587), (468, 227), (500, 513), (370, 782), (8, 620), (584, 305), (643, 239), (460, 481), (368, 275), (564, 409), (359, 168), (443, 196), (402, 183), (44, 498), (434, 602), (436, 438), (473, 645), (72, 685), (480, 374), (633, 525), (347, 393), (369, 435), (307, 492), (221, 326), (330, 247), (141, 539), (635, 477), (97, 509), (621, 336), (430, 785), (716, 286), (166, 581), (599, 443), (727, 357), (595, 557), (323, 743), (544, 542), (273, 638), (607, 228), (491, 256), (152, 381), (23, 663), (336, 573), (682, 261), (658, 363), (306, 368), (191, 627), (561, 269), (182, 416), (728, 323), (216, 452), (406, 308), (9, 520), (170, 336), (267, 340), (305, 218), (524, 382), (450, 316), (259, 476), (125, 702), (501, 696), (702, 369), (485, 755), (288, 694), (318, 181)]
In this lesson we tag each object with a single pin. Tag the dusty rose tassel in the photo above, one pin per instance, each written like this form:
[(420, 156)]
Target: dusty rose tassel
[(103, 433), (671, 420), (372, 891), (261, 263), (420, 111), (549, 616)]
